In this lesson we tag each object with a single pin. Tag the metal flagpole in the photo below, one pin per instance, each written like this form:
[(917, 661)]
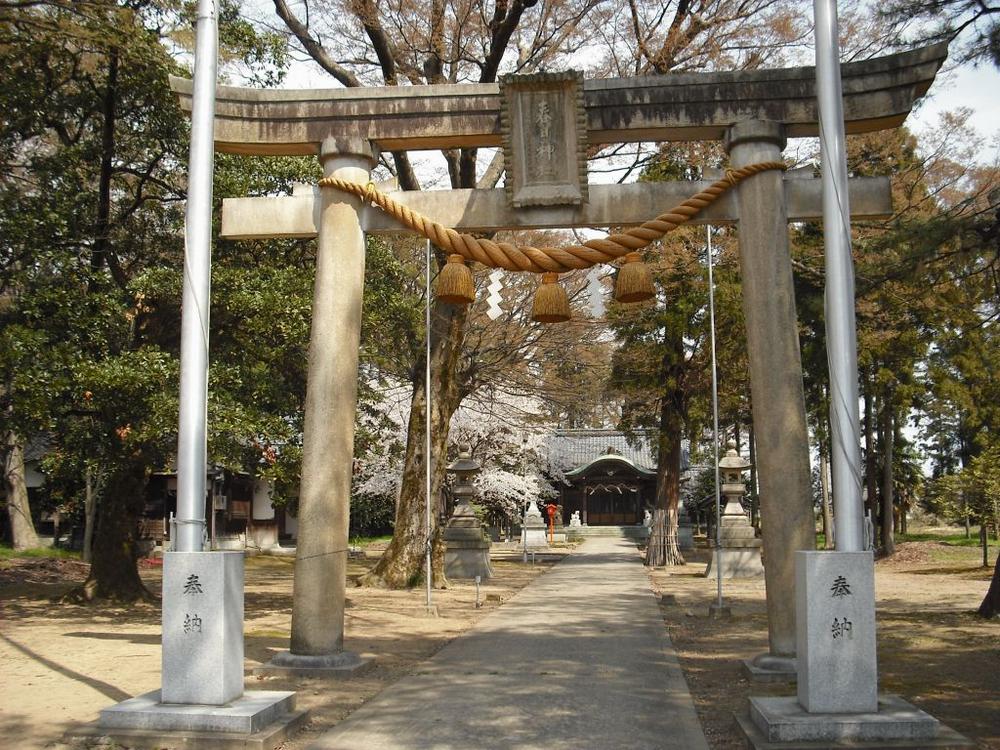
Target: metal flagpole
[(192, 428), (427, 420), (841, 334), (715, 423)]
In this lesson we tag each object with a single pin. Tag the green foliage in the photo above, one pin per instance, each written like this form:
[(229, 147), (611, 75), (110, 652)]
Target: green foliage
[(703, 483), (925, 302), (91, 208), (371, 514), (662, 366), (364, 541), (263, 54), (952, 540), (8, 553), (973, 492)]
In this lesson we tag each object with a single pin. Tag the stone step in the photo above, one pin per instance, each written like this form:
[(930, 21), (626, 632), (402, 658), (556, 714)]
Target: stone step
[(621, 532)]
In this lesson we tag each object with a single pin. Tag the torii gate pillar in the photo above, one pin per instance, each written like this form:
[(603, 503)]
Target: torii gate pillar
[(317, 644), (779, 413)]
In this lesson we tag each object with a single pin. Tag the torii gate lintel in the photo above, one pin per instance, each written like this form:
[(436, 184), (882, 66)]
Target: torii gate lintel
[(879, 93)]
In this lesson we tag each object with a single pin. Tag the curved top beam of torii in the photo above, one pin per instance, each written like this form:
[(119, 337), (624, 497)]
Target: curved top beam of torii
[(878, 94)]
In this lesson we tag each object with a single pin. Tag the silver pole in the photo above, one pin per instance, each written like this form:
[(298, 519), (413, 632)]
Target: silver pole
[(192, 429), (427, 420), (841, 334), (715, 422)]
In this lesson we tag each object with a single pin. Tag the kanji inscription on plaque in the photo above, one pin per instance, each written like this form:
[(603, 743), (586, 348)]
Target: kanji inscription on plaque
[(841, 628), (840, 587), (544, 129), (192, 623)]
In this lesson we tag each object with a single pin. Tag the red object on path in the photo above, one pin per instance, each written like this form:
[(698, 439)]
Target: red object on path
[(551, 509)]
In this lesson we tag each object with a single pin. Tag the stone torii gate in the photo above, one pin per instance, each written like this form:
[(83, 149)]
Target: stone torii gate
[(751, 112)]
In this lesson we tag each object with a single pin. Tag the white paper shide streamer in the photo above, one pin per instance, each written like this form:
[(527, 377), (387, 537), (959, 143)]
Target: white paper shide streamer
[(494, 299), (595, 291)]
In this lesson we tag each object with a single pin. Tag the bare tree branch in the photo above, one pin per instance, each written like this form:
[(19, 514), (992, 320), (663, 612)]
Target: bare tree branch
[(316, 51)]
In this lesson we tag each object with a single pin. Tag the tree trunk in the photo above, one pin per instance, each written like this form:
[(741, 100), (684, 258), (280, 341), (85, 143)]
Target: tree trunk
[(402, 563), (657, 549), (871, 468), (22, 528), (113, 571), (101, 254), (663, 548), (754, 496), (90, 492), (824, 482), (984, 540), (887, 505), (991, 604)]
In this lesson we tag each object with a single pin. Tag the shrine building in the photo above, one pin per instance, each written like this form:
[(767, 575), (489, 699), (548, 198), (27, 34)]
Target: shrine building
[(609, 479)]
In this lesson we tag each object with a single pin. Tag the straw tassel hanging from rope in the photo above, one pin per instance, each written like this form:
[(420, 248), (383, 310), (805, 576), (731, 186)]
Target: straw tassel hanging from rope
[(455, 284), (551, 303), (634, 282)]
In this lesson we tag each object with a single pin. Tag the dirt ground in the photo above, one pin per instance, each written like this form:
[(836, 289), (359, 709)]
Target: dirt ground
[(933, 649), (62, 663)]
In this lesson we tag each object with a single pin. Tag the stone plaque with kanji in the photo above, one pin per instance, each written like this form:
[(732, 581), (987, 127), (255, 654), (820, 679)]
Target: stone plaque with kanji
[(202, 627), (544, 129), (835, 632)]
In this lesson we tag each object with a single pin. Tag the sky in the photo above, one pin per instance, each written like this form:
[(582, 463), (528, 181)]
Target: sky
[(975, 88)]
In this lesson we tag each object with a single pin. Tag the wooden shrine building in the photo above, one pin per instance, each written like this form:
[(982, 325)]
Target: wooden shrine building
[(608, 479)]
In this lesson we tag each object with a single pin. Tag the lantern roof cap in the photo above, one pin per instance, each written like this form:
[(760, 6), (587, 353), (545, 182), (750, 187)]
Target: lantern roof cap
[(465, 462), (733, 460)]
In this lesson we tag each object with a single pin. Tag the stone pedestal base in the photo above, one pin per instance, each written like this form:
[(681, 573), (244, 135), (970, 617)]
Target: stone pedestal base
[(685, 537), (258, 720), (740, 556), (467, 550), (467, 558), (278, 551), (771, 669), (323, 666), (736, 562), (535, 535), (781, 722)]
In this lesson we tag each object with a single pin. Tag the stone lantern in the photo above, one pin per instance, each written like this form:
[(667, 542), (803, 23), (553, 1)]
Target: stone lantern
[(533, 528), (467, 550), (738, 549), (731, 469)]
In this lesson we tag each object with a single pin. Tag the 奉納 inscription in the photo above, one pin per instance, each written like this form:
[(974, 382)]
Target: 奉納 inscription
[(841, 628), (192, 623), (840, 587)]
